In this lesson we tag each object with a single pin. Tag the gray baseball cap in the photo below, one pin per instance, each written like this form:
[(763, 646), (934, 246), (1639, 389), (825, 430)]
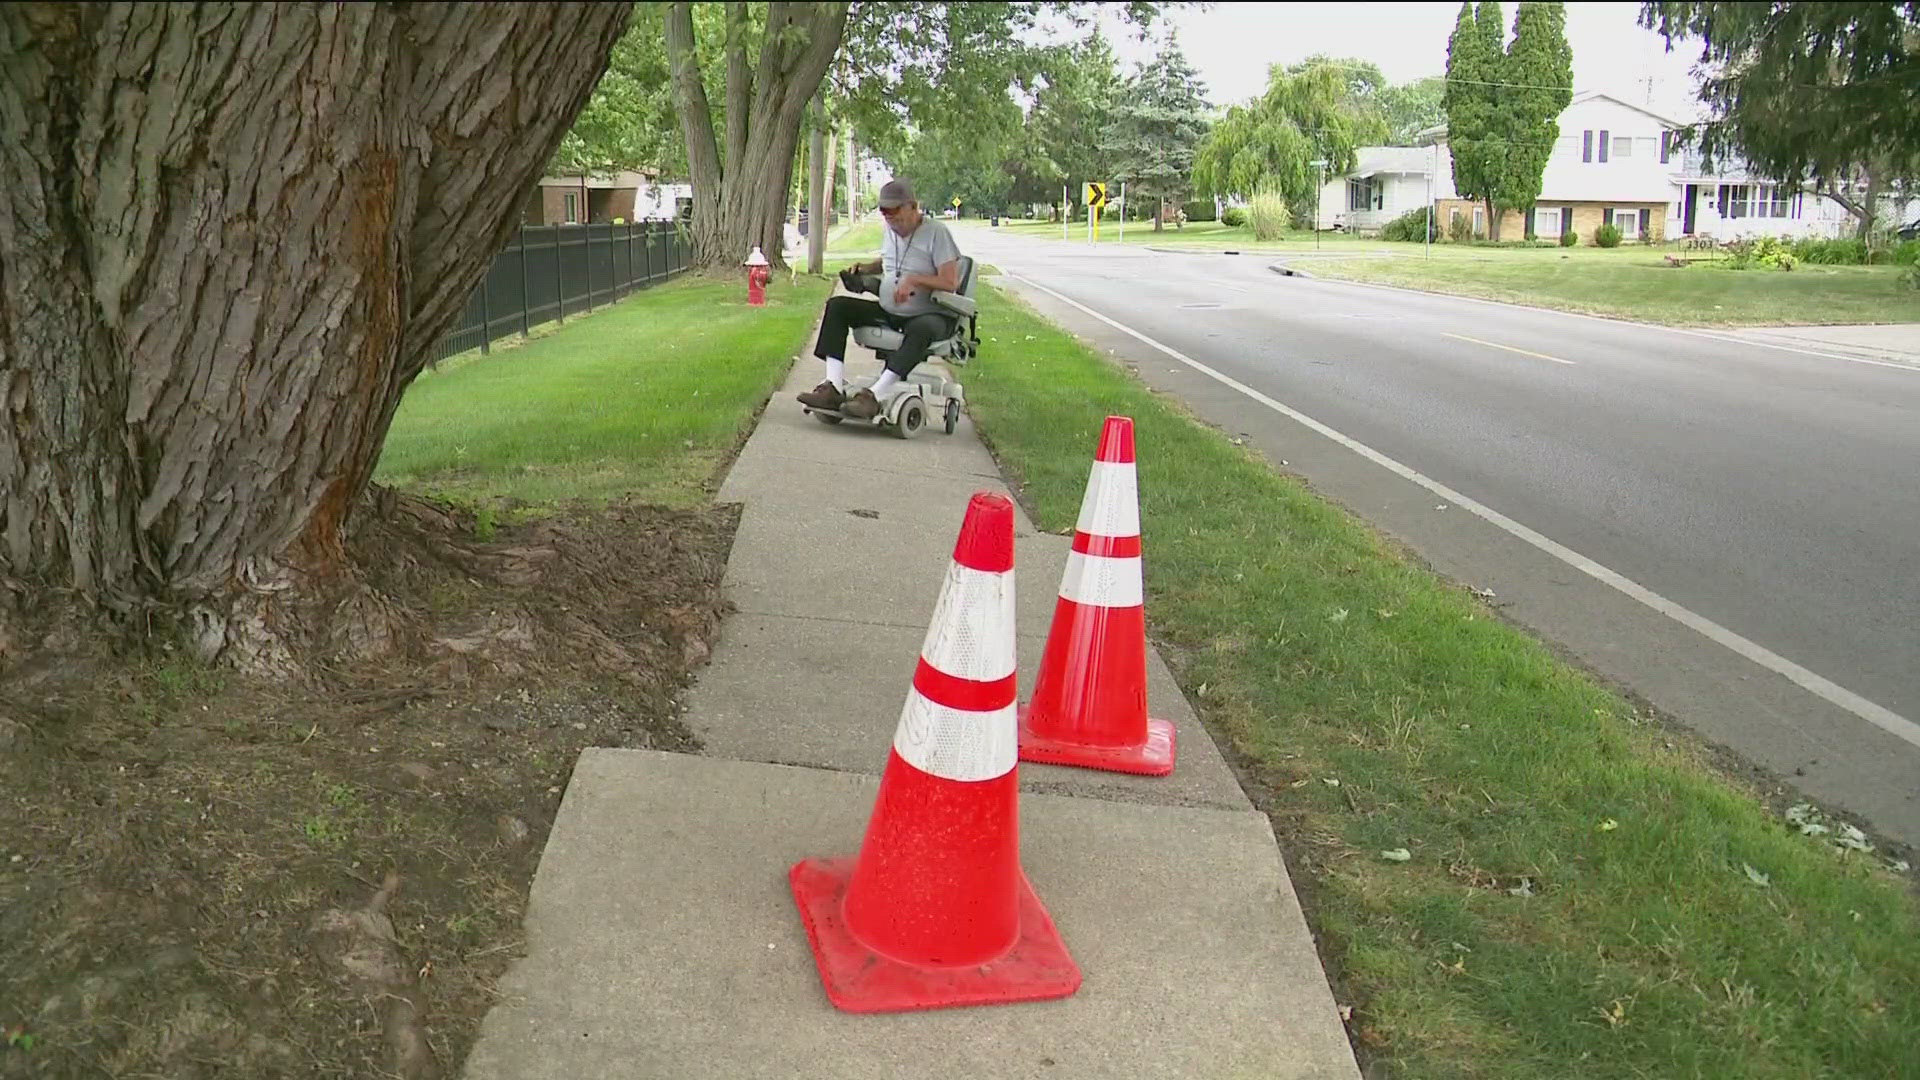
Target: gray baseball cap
[(896, 192)]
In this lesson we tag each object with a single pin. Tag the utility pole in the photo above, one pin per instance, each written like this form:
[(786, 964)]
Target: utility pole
[(817, 188)]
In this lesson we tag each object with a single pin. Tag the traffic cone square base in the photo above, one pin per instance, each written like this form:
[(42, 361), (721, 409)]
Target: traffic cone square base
[(859, 980), (1151, 758)]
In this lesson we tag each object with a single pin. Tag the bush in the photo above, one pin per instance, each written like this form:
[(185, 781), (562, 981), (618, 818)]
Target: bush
[(1233, 216), (1568, 238), (1607, 236), (1200, 210), (1414, 225), (1268, 212), (1765, 252), (1459, 230), (1906, 253)]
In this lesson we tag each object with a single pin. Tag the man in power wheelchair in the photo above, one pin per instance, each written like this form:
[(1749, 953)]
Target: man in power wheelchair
[(924, 290)]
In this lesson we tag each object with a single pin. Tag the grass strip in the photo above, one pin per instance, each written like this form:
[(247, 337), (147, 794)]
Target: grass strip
[(1581, 894), (645, 400)]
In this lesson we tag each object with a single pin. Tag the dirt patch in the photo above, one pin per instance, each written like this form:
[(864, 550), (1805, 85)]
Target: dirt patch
[(205, 876)]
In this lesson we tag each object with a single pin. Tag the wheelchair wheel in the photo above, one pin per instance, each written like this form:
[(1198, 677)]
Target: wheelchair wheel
[(913, 417), (953, 415)]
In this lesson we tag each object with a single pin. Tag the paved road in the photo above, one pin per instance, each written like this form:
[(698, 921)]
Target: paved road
[(1766, 501)]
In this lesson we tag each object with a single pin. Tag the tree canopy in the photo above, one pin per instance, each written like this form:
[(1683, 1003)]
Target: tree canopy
[(1320, 109), (1503, 104), (1820, 92), (1157, 125)]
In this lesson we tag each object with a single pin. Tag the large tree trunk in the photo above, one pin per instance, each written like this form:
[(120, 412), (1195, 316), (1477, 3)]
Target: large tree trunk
[(1493, 220), (229, 236), (740, 201)]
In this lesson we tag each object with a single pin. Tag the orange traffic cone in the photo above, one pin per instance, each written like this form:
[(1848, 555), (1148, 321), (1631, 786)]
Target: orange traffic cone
[(935, 911), (1089, 703)]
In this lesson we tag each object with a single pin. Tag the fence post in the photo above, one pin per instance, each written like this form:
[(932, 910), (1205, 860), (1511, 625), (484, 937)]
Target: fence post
[(559, 276), (629, 259), (526, 297), (588, 265), (486, 313)]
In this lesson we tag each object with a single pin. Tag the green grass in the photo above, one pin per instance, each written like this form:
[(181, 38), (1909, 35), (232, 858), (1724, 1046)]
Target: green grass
[(861, 240), (1320, 654), (1635, 282), (645, 399), (1198, 235)]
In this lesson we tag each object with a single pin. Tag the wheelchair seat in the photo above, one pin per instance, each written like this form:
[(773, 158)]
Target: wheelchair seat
[(956, 348)]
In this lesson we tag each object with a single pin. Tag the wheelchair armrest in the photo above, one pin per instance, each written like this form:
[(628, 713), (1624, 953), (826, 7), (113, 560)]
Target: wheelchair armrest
[(954, 302)]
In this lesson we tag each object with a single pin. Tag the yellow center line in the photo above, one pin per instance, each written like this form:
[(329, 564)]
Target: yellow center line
[(1509, 348)]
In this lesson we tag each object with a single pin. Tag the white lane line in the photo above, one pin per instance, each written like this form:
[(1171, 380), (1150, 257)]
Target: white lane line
[(1688, 331), (1509, 348), (1878, 715)]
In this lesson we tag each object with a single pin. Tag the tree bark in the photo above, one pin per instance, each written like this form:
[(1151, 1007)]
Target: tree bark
[(1493, 221), (817, 189), (740, 202), (229, 237)]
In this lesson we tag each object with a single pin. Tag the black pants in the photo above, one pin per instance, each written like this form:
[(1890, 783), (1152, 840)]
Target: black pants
[(846, 312)]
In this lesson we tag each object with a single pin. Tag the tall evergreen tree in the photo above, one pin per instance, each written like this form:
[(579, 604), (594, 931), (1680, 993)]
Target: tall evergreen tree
[(1538, 74), (1472, 102), (1158, 123)]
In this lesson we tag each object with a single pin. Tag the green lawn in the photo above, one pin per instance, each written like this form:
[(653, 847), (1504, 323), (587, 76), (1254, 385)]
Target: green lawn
[(1637, 283), (1579, 895), (645, 399)]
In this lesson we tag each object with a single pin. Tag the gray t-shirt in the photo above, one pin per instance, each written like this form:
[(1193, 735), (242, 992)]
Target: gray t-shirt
[(929, 248)]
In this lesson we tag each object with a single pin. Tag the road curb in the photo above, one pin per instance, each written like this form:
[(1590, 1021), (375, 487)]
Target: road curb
[(1287, 271)]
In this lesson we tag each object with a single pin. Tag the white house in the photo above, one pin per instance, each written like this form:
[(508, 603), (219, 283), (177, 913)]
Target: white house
[(1613, 162)]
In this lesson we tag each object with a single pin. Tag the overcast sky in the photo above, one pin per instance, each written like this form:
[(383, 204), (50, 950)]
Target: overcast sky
[(1232, 44)]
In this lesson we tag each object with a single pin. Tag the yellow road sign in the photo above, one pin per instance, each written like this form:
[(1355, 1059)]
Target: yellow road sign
[(1095, 194), (956, 202)]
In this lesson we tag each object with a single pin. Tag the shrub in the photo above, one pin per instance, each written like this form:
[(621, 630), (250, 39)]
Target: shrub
[(1607, 236), (1569, 238), (1414, 225), (1268, 213), (1765, 252), (1906, 253), (1233, 216), (1200, 210), (1458, 229)]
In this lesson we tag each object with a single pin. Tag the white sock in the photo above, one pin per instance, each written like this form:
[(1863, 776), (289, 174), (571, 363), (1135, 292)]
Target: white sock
[(887, 382), (837, 372)]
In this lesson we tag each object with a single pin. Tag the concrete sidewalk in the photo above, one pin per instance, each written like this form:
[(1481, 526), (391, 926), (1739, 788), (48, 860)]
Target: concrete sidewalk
[(1897, 343), (663, 941)]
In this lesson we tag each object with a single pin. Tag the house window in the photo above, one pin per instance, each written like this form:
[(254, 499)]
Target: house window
[(573, 208), (1605, 139), (1479, 222), (1586, 145), (1733, 200), (1359, 194), (1627, 221), (1771, 200), (1546, 221), (1622, 146)]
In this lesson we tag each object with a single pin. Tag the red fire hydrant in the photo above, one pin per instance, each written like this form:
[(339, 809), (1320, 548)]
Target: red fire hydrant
[(758, 274)]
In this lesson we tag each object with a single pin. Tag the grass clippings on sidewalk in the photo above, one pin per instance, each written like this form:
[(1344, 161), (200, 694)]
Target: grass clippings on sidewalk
[(1510, 871), (204, 876)]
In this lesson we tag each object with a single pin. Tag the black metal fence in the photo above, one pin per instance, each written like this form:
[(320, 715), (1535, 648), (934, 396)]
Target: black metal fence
[(550, 271)]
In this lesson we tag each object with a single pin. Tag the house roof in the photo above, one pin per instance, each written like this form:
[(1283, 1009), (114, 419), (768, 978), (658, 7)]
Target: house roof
[(1438, 132), (1373, 160)]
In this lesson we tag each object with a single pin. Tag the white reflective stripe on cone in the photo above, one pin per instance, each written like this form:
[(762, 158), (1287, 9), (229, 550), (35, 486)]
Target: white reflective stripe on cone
[(1100, 581), (971, 635), (955, 744), (1111, 506)]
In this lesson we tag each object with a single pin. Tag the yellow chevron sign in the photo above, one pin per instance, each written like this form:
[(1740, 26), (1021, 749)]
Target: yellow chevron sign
[(1095, 194)]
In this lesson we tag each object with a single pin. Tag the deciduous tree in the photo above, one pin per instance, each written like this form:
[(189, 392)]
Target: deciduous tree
[(230, 235)]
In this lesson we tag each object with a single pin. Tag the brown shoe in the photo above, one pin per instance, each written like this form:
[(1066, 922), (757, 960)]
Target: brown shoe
[(825, 396), (862, 406)]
